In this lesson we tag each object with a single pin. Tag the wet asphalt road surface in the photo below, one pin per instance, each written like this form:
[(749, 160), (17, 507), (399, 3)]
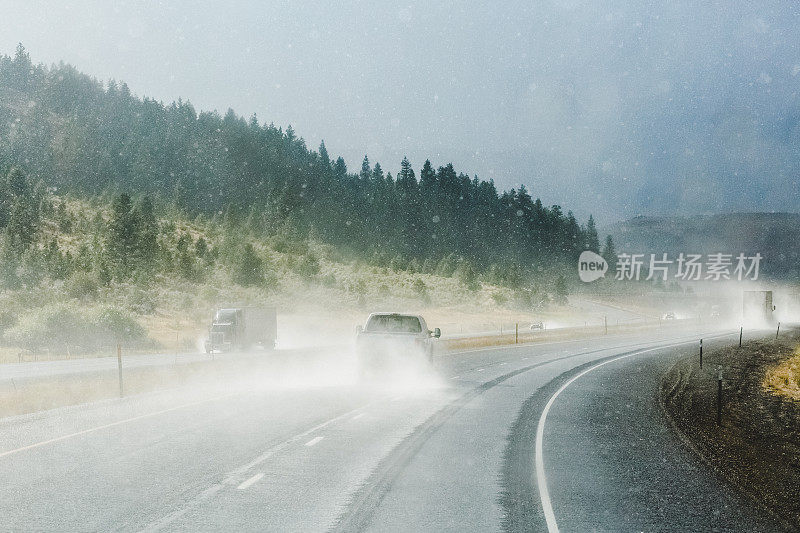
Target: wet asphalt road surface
[(448, 449)]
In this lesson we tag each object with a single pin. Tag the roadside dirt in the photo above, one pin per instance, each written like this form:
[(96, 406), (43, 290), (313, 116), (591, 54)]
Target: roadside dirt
[(757, 445)]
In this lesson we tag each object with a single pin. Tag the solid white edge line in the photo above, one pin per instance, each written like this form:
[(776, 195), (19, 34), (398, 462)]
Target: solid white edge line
[(252, 480), (541, 479), (114, 424)]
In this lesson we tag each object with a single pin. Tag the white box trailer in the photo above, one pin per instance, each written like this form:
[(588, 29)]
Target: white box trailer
[(757, 308)]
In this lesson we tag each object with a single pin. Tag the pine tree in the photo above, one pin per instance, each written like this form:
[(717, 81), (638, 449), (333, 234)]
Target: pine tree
[(323, 156), (427, 176), (340, 168), (592, 240), (185, 257), (610, 254), (201, 247), (147, 228), (23, 213), (123, 235), (377, 175), (249, 269), (366, 171), (406, 179), (561, 290)]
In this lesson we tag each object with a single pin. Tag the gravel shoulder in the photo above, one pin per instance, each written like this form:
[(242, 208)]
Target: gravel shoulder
[(756, 447)]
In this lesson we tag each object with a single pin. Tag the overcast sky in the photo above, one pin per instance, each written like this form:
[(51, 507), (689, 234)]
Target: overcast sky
[(616, 108)]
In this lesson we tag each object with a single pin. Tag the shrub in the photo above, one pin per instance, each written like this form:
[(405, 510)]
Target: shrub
[(398, 263), (110, 325), (287, 245), (141, 301), (499, 298), (421, 290), (60, 326), (468, 276), (308, 266), (447, 266), (53, 326), (82, 285), (7, 319)]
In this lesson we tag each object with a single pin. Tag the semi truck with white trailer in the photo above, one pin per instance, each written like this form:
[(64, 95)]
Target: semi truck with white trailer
[(242, 328)]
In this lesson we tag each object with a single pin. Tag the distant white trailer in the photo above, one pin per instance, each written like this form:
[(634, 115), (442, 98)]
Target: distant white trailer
[(757, 308)]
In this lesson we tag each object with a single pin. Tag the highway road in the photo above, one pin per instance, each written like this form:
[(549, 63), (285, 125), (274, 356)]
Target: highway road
[(561, 436)]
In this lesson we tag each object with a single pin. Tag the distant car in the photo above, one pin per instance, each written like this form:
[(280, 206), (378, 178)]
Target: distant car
[(537, 325), (389, 339), (669, 316)]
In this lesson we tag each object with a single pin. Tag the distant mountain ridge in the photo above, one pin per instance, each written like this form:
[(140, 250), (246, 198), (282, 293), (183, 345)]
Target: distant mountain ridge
[(776, 236)]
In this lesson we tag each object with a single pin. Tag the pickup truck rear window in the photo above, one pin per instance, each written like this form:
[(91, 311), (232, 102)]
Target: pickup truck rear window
[(393, 324)]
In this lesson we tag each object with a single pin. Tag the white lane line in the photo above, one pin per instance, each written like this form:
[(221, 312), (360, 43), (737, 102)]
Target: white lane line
[(113, 424), (481, 369), (359, 415), (541, 479), (235, 475), (454, 377), (313, 441), (250, 481)]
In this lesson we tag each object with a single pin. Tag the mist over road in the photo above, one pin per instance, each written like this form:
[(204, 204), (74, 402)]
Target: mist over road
[(452, 450)]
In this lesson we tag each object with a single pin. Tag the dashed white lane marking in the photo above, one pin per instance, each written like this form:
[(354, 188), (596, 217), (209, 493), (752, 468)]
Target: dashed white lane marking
[(455, 377), (481, 369), (235, 475), (359, 415), (313, 441), (502, 364), (541, 479), (250, 481)]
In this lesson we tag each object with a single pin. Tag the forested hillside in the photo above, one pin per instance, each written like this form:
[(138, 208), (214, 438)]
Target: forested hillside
[(68, 131)]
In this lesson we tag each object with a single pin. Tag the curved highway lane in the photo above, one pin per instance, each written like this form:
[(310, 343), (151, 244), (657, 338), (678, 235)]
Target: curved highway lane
[(452, 451)]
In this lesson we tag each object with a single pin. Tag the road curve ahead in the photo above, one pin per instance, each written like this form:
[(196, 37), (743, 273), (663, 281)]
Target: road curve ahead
[(561, 436)]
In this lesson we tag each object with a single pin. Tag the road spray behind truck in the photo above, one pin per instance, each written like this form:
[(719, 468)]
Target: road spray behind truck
[(757, 308), (240, 328)]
